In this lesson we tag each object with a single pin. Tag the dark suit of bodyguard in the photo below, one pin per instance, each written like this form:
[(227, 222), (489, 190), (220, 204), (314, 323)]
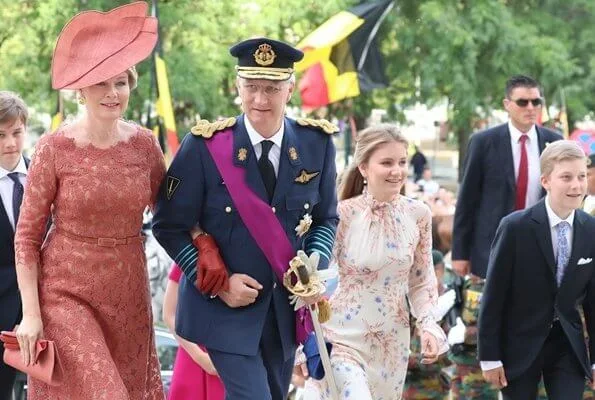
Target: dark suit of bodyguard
[(252, 347)]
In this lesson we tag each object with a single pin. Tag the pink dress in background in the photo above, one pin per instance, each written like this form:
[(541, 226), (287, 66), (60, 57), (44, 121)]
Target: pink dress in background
[(189, 380), (95, 302)]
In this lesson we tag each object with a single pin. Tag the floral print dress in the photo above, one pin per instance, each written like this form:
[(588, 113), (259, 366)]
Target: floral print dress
[(383, 252)]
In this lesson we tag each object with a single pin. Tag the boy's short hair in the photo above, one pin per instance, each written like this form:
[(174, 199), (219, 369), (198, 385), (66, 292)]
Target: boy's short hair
[(12, 107), (558, 151)]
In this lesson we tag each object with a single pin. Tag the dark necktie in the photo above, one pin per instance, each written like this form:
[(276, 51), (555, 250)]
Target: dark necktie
[(17, 196), (267, 171), (523, 177)]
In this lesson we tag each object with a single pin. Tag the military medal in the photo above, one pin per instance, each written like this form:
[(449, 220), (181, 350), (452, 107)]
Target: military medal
[(304, 225), (242, 154)]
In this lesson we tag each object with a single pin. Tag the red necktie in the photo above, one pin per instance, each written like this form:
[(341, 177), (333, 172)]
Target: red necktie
[(523, 178)]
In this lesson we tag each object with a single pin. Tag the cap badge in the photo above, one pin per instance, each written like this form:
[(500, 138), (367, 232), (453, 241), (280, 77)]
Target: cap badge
[(264, 55)]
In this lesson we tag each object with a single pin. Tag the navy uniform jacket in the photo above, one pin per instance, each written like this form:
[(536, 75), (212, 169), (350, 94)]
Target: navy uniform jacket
[(193, 192)]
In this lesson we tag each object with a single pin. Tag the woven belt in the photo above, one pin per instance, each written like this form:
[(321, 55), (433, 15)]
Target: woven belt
[(103, 242)]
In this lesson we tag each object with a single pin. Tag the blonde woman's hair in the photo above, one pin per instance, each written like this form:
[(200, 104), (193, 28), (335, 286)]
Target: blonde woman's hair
[(132, 77), (367, 142), (558, 151)]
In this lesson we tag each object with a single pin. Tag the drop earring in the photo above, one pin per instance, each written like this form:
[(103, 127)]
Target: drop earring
[(82, 101)]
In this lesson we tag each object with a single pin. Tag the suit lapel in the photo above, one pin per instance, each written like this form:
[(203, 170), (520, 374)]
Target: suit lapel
[(244, 156), (507, 160), (578, 240), (544, 236), (289, 163), (540, 139)]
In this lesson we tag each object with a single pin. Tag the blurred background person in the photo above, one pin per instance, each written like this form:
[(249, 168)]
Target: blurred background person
[(426, 184), (589, 203), (418, 161)]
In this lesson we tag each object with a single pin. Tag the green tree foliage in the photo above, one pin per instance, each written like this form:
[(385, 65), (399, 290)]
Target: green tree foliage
[(459, 50)]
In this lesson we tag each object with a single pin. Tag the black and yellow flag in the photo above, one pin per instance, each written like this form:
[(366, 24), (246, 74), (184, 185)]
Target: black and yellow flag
[(341, 57), (165, 130)]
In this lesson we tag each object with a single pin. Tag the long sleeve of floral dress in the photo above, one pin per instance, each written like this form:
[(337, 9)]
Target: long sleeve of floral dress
[(423, 287)]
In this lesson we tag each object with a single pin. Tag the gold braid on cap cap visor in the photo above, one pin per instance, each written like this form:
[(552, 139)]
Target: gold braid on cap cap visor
[(264, 73)]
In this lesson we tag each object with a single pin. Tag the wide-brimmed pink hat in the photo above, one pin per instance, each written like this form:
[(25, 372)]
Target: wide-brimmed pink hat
[(95, 46)]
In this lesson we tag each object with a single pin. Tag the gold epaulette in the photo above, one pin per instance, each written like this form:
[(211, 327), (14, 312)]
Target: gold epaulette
[(207, 129), (322, 124)]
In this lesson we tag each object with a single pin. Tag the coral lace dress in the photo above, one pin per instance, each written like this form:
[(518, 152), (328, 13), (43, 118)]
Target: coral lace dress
[(93, 280)]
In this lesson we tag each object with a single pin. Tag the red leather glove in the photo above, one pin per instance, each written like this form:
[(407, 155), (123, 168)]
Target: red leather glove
[(212, 275)]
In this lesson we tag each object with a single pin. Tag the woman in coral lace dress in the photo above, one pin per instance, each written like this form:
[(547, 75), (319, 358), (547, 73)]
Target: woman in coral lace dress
[(85, 286), (383, 251)]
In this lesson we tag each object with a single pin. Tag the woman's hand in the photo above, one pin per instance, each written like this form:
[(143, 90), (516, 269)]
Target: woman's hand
[(429, 348), (28, 333), (203, 359)]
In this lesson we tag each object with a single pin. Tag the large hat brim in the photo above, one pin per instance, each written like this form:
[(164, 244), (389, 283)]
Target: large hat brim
[(118, 62), (94, 46)]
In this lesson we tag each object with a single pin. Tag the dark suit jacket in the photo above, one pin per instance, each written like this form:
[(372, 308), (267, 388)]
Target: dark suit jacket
[(521, 294), (487, 193), (10, 300)]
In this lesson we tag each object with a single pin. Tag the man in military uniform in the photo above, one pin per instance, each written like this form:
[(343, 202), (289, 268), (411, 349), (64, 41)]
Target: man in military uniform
[(262, 186)]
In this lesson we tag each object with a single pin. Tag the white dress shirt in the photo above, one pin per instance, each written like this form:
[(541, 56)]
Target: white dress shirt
[(7, 187), (554, 220), (256, 139), (534, 168)]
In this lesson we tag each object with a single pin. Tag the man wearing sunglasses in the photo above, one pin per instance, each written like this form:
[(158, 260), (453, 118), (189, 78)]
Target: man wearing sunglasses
[(500, 175)]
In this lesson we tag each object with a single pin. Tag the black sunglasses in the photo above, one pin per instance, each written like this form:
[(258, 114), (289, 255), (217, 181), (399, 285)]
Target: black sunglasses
[(525, 102)]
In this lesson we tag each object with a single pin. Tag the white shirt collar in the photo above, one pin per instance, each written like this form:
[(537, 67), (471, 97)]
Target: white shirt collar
[(515, 134), (20, 168), (553, 218), (256, 137)]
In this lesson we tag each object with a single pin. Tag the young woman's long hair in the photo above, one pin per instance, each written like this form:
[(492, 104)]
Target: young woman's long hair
[(368, 140)]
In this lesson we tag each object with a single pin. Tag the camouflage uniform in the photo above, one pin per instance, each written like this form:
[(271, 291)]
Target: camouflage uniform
[(468, 382)]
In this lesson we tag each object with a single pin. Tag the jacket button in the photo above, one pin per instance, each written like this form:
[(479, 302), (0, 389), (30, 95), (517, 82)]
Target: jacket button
[(228, 209), (307, 206), (274, 209), (274, 285)]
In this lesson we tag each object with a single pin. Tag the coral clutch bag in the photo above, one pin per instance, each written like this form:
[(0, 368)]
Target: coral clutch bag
[(47, 366)]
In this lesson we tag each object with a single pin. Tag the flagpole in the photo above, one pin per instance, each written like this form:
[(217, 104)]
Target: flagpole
[(564, 115), (373, 32)]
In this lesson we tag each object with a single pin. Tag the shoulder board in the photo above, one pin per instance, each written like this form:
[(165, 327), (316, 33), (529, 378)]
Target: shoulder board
[(321, 124), (207, 129)]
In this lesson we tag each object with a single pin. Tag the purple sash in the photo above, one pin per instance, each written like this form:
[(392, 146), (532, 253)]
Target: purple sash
[(258, 217)]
